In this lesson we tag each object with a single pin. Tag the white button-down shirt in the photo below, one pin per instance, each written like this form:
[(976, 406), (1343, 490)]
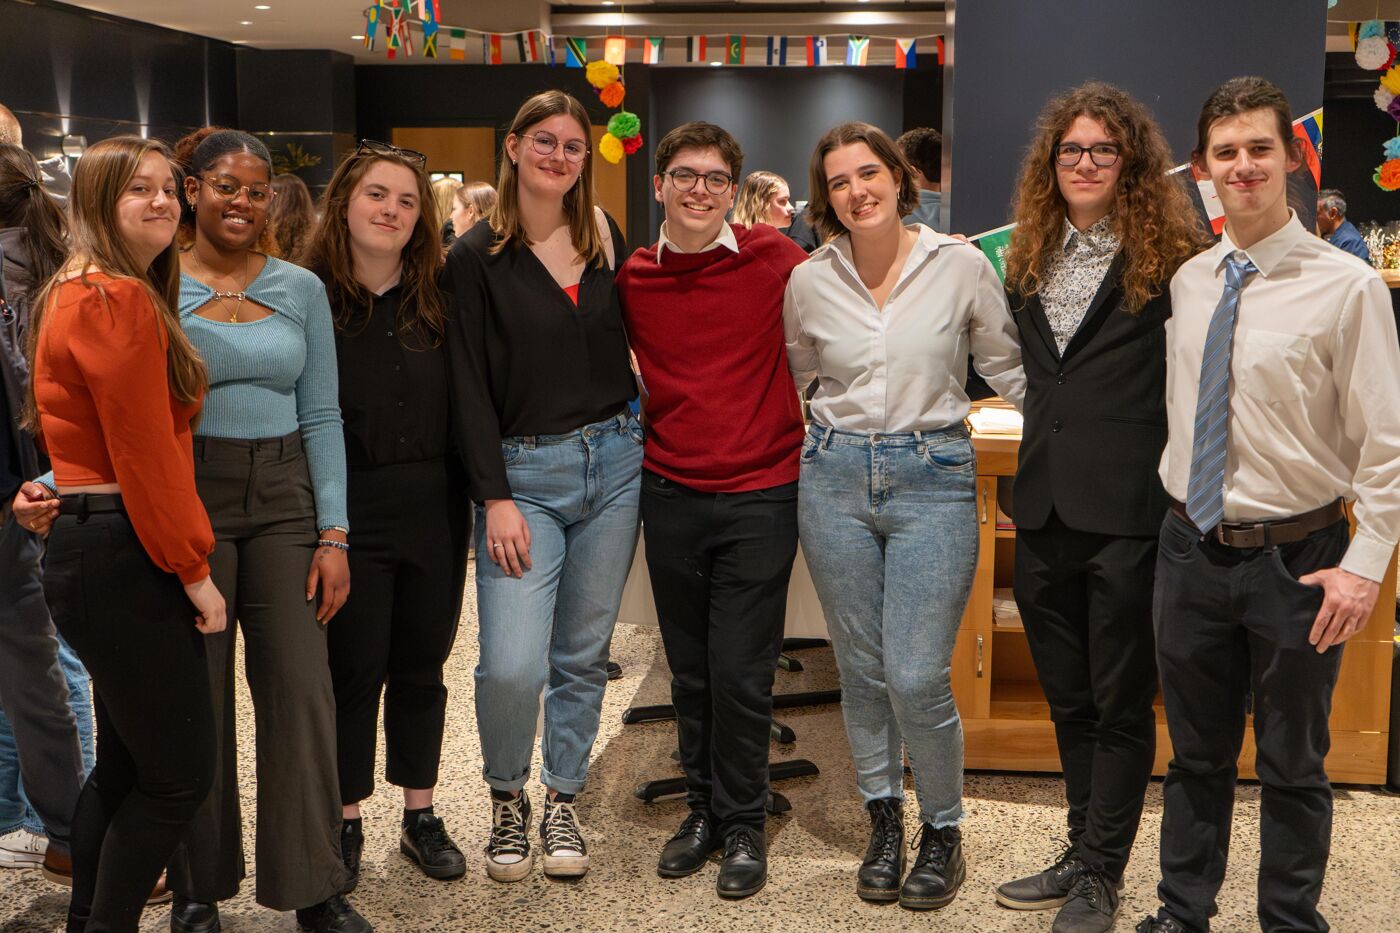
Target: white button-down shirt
[(1314, 388), (900, 368), (725, 238)]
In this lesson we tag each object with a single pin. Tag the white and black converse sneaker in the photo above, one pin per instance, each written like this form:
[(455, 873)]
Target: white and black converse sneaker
[(565, 853), (508, 850)]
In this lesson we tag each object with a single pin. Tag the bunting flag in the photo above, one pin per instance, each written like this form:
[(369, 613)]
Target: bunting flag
[(735, 53), (695, 49), (405, 36), (457, 44), (575, 52), (548, 48), (372, 24), (428, 12), (615, 50), (777, 50), (529, 45), (939, 41), (491, 48), (651, 50), (905, 53), (816, 50), (857, 50)]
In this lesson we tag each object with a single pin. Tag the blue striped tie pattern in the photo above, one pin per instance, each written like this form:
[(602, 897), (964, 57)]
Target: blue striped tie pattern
[(1205, 492)]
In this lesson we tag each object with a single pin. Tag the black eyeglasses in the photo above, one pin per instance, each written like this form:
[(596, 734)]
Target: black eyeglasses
[(1101, 154), (545, 144), (375, 147), (226, 188), (715, 182)]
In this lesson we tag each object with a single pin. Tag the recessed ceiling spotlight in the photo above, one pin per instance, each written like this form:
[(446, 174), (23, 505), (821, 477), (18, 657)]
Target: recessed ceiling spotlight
[(716, 64), (358, 38), (262, 6), (608, 2), (245, 22)]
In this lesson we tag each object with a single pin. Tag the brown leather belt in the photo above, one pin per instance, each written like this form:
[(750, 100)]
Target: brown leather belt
[(1271, 533)]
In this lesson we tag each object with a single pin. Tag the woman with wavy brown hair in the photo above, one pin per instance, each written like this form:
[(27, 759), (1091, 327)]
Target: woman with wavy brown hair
[(1100, 228), (377, 251), (764, 199), (292, 215)]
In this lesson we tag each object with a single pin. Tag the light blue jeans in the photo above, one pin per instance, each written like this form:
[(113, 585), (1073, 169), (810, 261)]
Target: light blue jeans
[(550, 629), (889, 530), (15, 811)]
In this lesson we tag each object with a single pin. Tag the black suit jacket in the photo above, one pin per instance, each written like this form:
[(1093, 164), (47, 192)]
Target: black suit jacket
[(1096, 418)]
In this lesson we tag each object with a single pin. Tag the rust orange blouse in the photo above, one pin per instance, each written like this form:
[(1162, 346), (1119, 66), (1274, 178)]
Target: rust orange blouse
[(107, 415)]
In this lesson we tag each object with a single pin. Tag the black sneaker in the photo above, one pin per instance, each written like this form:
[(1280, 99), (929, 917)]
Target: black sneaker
[(565, 852), (352, 845), (333, 915), (425, 841), (508, 856), (1160, 924), (187, 916), (1045, 889), (880, 873), (938, 869), (1092, 905)]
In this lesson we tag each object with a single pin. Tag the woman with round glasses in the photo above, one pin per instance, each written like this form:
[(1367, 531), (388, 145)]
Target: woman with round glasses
[(1100, 229), (554, 460), (270, 467)]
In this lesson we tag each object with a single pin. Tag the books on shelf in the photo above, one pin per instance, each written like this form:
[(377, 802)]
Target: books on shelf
[(1005, 612)]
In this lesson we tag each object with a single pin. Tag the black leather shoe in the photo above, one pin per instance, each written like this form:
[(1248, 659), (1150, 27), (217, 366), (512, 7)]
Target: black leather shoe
[(187, 916), (1160, 924), (426, 842), (1044, 889), (880, 873), (744, 870), (687, 850), (333, 915), (938, 869), (1092, 905), (352, 844)]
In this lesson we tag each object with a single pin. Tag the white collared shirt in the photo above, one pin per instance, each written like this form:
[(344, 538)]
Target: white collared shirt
[(1314, 387), (900, 368), (725, 238)]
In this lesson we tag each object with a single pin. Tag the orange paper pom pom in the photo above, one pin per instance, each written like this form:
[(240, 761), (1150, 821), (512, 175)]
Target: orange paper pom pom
[(612, 95)]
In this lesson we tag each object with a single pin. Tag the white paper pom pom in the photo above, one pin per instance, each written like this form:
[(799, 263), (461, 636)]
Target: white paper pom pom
[(1372, 53), (1383, 97)]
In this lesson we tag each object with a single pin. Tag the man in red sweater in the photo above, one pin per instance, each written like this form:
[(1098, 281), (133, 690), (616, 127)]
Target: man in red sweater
[(704, 309)]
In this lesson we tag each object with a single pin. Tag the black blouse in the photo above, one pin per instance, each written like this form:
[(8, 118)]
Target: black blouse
[(393, 389), (525, 359)]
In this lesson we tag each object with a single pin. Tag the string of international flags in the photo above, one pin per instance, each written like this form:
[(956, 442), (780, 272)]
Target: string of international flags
[(392, 20)]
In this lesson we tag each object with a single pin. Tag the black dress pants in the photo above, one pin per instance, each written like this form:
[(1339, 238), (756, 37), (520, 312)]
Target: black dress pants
[(133, 627), (408, 566), (719, 566), (1086, 601), (1229, 622)]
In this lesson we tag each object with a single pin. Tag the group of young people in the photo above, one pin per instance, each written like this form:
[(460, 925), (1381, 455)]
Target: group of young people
[(238, 438)]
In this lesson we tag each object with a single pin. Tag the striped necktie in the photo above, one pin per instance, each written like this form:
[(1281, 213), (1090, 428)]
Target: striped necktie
[(1205, 492)]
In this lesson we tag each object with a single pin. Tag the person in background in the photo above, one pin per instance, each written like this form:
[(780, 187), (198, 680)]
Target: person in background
[(46, 731), (887, 507), (270, 463), (1283, 399), (923, 150), (554, 459), (764, 199), (1100, 228), (291, 216), (116, 387), (471, 204), (1334, 227), (377, 251), (444, 193)]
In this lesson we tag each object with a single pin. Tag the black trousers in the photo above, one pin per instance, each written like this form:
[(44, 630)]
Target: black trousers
[(1229, 622), (408, 566), (133, 627), (719, 566), (1086, 600)]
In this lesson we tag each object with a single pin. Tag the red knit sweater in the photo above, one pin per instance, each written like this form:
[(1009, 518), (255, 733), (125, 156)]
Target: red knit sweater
[(707, 329)]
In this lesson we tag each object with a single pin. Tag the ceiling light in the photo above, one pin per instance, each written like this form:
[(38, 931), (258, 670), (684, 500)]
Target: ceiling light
[(245, 22), (358, 38), (608, 2), (262, 6)]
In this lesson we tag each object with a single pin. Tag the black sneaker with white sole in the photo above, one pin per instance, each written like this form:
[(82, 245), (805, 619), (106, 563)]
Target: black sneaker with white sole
[(1044, 889), (508, 856), (1092, 906), (424, 840), (565, 852)]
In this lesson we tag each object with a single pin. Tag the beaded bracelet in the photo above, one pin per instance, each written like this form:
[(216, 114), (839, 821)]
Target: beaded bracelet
[(338, 545)]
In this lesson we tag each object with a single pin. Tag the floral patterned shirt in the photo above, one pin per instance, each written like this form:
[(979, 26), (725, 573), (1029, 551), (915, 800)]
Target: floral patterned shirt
[(1073, 277)]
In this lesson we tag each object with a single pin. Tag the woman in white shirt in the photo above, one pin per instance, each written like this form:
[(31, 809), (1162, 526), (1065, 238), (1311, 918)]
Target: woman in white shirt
[(883, 316)]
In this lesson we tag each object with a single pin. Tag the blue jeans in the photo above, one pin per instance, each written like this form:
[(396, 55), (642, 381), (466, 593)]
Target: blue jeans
[(550, 629), (15, 811), (889, 529)]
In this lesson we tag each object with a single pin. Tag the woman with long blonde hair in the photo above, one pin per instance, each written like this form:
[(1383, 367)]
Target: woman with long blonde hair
[(554, 459), (116, 389), (764, 198), (1100, 229), (471, 203)]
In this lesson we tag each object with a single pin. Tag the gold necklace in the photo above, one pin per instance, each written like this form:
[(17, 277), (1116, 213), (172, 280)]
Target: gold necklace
[(237, 297)]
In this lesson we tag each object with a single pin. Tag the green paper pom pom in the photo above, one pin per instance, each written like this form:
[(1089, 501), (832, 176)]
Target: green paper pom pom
[(625, 125)]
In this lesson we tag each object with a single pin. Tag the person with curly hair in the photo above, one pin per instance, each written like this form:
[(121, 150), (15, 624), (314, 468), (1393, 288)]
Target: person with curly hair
[(764, 198), (1100, 228)]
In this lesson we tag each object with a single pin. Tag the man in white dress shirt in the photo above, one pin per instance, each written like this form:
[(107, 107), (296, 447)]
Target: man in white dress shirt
[(1283, 399)]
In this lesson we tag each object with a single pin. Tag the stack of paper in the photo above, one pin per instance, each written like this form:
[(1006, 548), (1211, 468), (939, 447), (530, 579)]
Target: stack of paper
[(996, 421), (1005, 613)]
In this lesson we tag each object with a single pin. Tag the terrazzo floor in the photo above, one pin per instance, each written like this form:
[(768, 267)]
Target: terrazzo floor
[(1012, 822)]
